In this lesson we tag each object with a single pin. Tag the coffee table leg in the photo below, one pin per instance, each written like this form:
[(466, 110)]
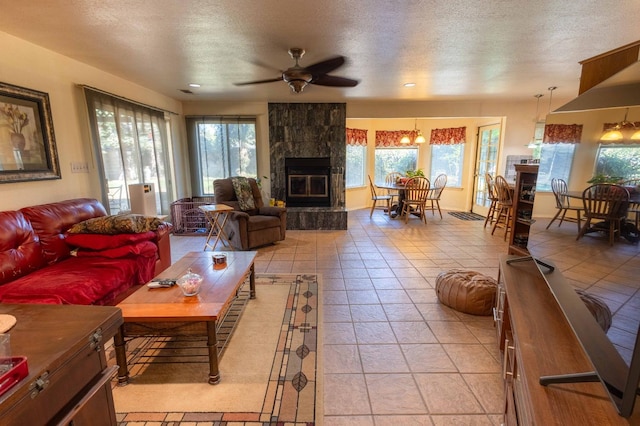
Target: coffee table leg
[(212, 344), (121, 356), (252, 283)]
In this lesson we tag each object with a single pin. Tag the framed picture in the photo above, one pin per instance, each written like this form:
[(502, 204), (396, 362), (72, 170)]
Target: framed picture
[(27, 142)]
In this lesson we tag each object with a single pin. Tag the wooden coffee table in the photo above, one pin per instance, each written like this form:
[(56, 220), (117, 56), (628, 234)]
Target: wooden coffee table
[(167, 312)]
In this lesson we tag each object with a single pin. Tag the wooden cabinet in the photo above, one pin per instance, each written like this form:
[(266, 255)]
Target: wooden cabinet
[(536, 340), (523, 197), (69, 380)]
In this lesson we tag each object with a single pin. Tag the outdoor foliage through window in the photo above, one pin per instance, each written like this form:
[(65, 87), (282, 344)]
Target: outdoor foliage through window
[(221, 148), (394, 160), (618, 160), (555, 162), (447, 159), (356, 159)]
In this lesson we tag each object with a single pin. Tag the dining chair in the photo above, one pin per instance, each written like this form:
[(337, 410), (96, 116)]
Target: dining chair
[(415, 197), (435, 192), (634, 208), (492, 197), (504, 205), (609, 204), (375, 198), (390, 179), (559, 188)]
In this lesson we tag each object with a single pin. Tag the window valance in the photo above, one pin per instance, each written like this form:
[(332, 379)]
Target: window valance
[(562, 133), (391, 138), (357, 137), (449, 136)]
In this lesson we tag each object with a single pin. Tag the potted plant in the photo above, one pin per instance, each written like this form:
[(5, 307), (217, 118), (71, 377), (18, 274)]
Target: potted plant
[(602, 178)]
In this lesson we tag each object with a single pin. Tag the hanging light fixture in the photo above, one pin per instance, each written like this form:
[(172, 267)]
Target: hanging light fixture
[(405, 139), (419, 138), (622, 130), (534, 143)]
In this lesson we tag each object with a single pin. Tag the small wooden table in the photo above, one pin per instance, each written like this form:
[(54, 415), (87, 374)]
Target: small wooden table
[(213, 212), (167, 312)]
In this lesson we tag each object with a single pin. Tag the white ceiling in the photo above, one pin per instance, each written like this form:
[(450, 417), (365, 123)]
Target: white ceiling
[(454, 50)]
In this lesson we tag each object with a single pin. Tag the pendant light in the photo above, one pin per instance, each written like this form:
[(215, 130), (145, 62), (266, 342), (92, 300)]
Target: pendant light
[(405, 140), (419, 138), (622, 130), (534, 144)]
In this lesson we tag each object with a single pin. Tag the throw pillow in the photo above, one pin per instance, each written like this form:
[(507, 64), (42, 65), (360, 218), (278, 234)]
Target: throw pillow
[(119, 224), (244, 194)]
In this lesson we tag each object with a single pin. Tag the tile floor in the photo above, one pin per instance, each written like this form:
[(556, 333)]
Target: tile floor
[(391, 353)]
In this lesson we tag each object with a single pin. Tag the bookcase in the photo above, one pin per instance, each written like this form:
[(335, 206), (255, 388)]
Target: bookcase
[(523, 196)]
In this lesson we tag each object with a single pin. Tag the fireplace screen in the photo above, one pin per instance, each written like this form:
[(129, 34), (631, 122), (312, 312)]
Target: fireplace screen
[(308, 186)]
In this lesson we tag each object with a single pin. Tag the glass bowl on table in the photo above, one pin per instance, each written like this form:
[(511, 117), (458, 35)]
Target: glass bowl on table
[(190, 283)]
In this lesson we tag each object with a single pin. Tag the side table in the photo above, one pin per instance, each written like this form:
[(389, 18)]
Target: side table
[(215, 213)]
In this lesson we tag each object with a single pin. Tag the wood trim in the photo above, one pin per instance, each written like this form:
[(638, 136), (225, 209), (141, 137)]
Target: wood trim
[(598, 68)]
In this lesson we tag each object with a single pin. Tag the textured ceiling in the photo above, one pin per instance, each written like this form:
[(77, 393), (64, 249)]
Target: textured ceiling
[(468, 49)]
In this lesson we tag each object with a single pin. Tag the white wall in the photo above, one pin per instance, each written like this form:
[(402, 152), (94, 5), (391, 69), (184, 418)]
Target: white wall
[(33, 67)]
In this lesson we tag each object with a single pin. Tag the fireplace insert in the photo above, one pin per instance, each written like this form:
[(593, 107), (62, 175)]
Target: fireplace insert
[(308, 182)]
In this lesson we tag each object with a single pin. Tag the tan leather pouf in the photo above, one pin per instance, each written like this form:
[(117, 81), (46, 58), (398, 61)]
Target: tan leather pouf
[(598, 309), (467, 291)]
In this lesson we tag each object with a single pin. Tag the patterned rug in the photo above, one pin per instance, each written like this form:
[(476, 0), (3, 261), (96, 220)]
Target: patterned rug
[(467, 216), (167, 374)]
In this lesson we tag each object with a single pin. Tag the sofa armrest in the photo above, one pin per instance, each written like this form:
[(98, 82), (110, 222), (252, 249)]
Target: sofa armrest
[(163, 241), (272, 211)]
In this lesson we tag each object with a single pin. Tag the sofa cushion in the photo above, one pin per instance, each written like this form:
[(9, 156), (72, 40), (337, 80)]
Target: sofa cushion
[(20, 251), (244, 194), (110, 225), (79, 280), (51, 221), (258, 222), (102, 242)]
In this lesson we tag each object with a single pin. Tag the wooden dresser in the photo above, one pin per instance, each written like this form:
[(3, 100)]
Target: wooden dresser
[(536, 340), (68, 381)]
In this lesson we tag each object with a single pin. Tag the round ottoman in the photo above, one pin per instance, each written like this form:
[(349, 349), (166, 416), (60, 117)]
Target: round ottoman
[(467, 291), (598, 309)]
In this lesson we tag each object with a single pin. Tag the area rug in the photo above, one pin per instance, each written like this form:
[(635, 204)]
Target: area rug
[(268, 364), (467, 216)]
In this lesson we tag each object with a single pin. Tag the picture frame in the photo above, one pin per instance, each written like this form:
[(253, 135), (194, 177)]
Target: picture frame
[(27, 140)]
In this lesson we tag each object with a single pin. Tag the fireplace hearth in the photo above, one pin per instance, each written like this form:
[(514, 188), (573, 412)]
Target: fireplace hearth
[(308, 182)]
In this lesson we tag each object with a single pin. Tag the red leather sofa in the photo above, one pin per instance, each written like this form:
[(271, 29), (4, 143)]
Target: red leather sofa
[(38, 265)]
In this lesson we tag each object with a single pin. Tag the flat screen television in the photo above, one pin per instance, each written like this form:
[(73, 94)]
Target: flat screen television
[(621, 381)]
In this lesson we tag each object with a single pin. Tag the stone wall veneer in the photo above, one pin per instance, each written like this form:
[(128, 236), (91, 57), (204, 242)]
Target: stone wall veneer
[(307, 130)]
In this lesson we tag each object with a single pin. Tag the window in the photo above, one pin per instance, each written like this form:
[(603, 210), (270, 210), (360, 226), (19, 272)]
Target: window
[(619, 160), (355, 170), (555, 162), (220, 147), (447, 159), (394, 160), (132, 143)]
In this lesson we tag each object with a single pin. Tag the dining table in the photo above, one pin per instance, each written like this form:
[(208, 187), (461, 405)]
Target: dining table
[(394, 186)]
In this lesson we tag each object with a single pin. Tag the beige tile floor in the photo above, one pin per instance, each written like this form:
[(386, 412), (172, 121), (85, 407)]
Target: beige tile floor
[(392, 354)]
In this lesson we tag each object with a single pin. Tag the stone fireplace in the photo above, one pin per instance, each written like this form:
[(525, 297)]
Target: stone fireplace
[(308, 182), (307, 149)]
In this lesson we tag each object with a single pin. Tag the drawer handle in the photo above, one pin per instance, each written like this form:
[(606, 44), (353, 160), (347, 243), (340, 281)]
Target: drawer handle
[(105, 377), (507, 348), (40, 384)]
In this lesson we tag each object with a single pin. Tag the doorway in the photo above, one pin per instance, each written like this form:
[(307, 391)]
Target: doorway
[(486, 162)]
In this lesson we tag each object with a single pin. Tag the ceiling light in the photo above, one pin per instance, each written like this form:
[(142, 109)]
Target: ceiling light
[(624, 130), (194, 85), (409, 85)]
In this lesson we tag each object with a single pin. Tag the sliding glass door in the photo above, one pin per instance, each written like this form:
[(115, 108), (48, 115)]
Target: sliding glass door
[(132, 145)]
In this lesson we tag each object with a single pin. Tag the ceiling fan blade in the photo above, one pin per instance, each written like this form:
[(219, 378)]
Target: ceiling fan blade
[(270, 80), (326, 66), (330, 80)]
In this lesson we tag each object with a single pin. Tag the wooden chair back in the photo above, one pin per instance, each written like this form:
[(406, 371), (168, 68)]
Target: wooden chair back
[(416, 190), (503, 192), (559, 188), (605, 201)]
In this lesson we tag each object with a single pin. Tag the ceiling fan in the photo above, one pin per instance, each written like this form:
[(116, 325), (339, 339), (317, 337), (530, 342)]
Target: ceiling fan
[(297, 77)]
